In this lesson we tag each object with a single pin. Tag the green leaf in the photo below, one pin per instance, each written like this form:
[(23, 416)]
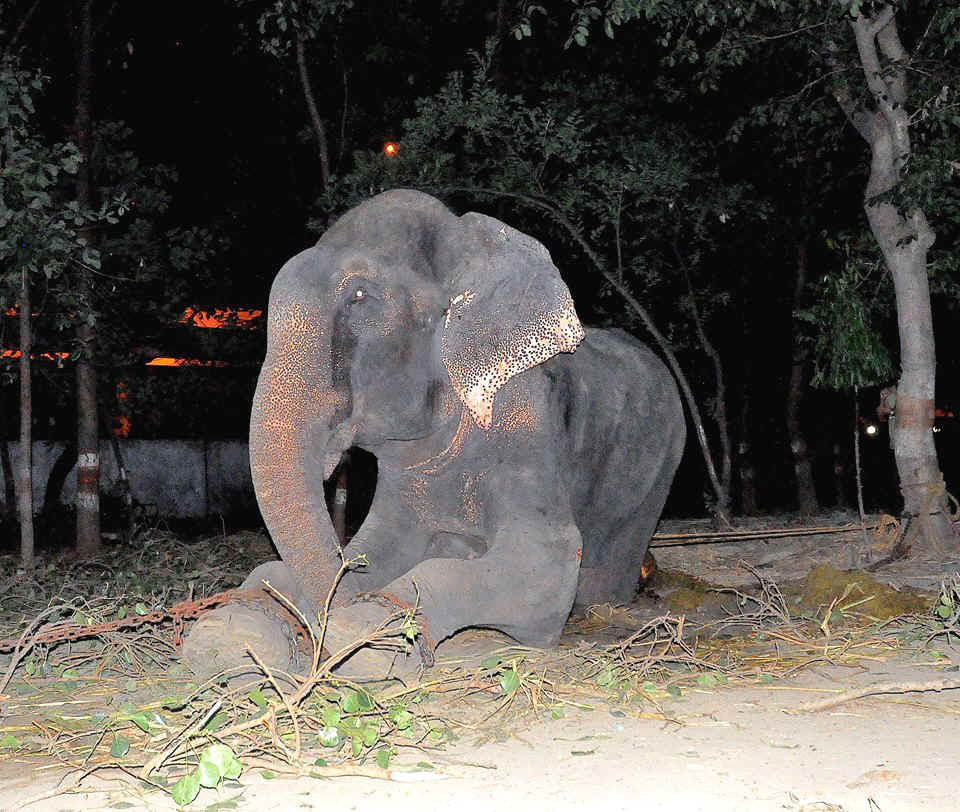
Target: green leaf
[(208, 774), (141, 608), (707, 681), (10, 742), (509, 681), (186, 789), (320, 762), (331, 715), (356, 746), (369, 735), (400, 717), (257, 698), (268, 774), (605, 678), (330, 736), (383, 758), (232, 769), (120, 746), (216, 722), (410, 628), (674, 691), (223, 757), (490, 662), (944, 611), (356, 701), (141, 720)]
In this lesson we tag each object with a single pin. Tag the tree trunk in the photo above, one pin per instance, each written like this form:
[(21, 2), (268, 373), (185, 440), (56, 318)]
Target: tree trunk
[(720, 391), (802, 468), (25, 467), (745, 464), (904, 239), (88, 449), (6, 463), (315, 119)]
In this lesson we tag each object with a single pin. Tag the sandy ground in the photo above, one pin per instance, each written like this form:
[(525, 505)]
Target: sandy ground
[(735, 747)]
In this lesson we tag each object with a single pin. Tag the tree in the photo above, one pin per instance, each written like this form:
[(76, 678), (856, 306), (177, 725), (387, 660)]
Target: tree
[(292, 24), (40, 237), (904, 236), (88, 442), (829, 39)]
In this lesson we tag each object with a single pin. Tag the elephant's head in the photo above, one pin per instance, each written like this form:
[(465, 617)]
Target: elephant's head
[(401, 314)]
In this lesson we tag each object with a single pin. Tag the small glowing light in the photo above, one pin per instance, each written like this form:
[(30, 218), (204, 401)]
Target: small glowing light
[(390, 148), (937, 429), (871, 430)]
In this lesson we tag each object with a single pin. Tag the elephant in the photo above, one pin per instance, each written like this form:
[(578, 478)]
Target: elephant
[(522, 460)]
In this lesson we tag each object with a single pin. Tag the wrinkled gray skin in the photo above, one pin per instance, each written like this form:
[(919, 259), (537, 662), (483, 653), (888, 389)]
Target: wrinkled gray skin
[(504, 527)]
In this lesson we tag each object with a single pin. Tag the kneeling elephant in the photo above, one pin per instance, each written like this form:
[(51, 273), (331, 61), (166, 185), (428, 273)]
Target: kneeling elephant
[(522, 461)]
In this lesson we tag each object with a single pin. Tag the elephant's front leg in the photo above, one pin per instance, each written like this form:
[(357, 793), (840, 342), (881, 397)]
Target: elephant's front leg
[(524, 584), (394, 537)]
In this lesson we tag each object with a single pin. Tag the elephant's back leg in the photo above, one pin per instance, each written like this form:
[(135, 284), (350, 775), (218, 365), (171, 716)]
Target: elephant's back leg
[(623, 420), (616, 539)]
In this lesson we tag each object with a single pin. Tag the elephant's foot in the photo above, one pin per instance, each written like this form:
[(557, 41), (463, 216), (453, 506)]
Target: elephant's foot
[(219, 639), (222, 640), (391, 656)]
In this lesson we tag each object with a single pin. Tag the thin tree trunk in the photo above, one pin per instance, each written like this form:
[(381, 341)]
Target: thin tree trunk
[(6, 463), (315, 119), (904, 239), (745, 464), (25, 468), (88, 447), (720, 391), (802, 467)]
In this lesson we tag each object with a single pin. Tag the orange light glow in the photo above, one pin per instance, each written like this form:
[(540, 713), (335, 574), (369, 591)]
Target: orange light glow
[(217, 319), (121, 426), (45, 356), (163, 361), (390, 148)]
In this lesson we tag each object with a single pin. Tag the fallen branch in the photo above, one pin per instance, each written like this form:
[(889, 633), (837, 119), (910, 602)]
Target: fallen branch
[(878, 688)]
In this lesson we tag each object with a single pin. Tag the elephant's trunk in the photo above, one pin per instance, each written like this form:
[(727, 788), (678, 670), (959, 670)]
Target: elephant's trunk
[(289, 435)]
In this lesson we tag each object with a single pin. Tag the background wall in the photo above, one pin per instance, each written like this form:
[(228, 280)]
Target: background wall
[(184, 479)]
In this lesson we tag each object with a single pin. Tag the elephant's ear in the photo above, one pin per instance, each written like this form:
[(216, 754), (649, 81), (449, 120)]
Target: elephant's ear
[(509, 311)]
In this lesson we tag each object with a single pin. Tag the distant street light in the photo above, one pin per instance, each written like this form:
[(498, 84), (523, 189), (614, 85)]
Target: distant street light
[(390, 149), (871, 430)]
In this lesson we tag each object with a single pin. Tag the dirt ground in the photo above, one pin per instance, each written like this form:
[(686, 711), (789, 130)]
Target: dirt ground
[(716, 747)]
